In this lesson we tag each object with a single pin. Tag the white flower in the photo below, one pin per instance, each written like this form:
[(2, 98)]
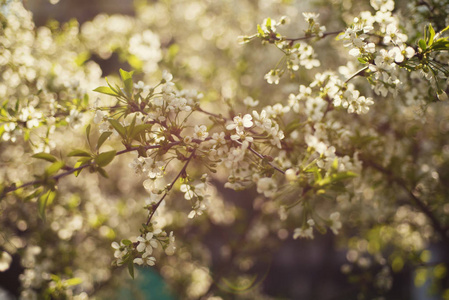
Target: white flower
[(267, 186), (5, 261), (197, 209), (248, 101), (137, 164), (272, 77), (166, 76), (187, 189), (146, 259), (74, 118), (219, 138), (305, 231), (99, 116), (393, 35), (335, 222), (120, 251), (382, 5), (200, 132), (310, 17), (147, 243), (262, 119), (241, 123)]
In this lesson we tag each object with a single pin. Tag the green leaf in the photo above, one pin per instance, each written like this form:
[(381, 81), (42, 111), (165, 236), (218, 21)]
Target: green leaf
[(130, 128), (361, 60), (105, 90), (115, 90), (79, 152), (118, 127), (45, 156), (131, 268), (444, 29), (126, 75), (103, 137), (103, 159), (431, 35), (34, 194), (422, 44), (102, 172), (127, 78), (441, 44), (259, 30), (268, 23), (139, 129), (88, 134), (79, 163), (73, 281), (126, 242), (335, 177), (45, 200), (54, 168)]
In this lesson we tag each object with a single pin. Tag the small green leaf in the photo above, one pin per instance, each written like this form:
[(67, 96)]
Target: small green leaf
[(79, 163), (444, 29), (45, 200), (54, 168), (103, 137), (126, 242), (361, 60), (431, 35), (79, 152), (73, 281), (259, 30), (88, 134), (422, 44), (45, 156), (268, 24), (127, 78), (139, 129), (105, 90), (131, 268), (130, 128), (441, 44), (126, 75), (115, 90), (118, 127), (335, 177), (103, 159), (102, 172)]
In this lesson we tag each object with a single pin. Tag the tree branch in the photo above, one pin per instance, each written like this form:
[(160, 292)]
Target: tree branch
[(13, 187)]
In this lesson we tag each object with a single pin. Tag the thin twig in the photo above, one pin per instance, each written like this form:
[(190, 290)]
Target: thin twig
[(264, 157), (183, 171), (314, 35), (356, 74), (13, 188)]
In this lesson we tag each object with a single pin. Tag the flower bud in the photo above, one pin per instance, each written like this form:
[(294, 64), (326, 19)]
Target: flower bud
[(290, 175), (442, 95)]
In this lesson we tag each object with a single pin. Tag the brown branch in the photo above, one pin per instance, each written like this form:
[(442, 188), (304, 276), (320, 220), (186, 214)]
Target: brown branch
[(183, 171), (13, 187), (313, 35)]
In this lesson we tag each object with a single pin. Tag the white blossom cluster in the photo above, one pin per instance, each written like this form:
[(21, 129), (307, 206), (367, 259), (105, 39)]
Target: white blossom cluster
[(339, 155)]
